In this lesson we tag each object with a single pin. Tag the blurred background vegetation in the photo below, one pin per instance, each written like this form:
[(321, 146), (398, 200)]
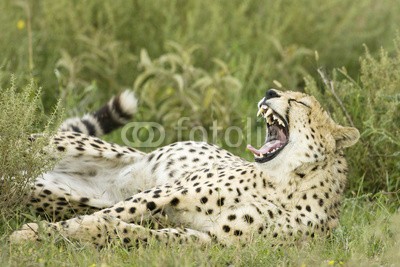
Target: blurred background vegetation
[(213, 60)]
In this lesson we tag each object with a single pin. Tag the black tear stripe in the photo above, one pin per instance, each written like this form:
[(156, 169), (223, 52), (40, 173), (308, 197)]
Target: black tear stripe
[(289, 105), (299, 102)]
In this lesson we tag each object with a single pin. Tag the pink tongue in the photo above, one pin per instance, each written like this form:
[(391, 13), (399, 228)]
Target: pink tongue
[(265, 148)]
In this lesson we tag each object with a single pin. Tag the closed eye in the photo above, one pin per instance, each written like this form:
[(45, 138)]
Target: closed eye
[(304, 104)]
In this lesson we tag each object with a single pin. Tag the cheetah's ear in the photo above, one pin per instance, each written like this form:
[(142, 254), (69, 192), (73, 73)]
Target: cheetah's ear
[(345, 136)]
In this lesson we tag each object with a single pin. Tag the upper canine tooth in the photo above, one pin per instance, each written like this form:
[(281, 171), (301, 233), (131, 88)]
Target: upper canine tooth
[(260, 111)]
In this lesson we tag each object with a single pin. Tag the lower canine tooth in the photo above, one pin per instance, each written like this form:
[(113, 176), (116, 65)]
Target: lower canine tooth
[(261, 155)]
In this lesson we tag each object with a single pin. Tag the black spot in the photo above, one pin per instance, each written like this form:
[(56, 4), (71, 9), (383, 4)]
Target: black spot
[(35, 200), (321, 202), (203, 200), (238, 192), (290, 196), (315, 168), (237, 232), (271, 215), (209, 175), (308, 208), (220, 202), (298, 207), (232, 217), (247, 218), (209, 211), (119, 209), (151, 205), (47, 192), (174, 202), (95, 145), (132, 210), (226, 228), (61, 148), (84, 199), (39, 210), (159, 156), (184, 192)]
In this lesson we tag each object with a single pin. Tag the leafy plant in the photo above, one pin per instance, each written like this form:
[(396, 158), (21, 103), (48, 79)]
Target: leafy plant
[(21, 158), (373, 104)]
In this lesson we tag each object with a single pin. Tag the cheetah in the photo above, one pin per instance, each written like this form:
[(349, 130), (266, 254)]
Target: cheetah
[(195, 191)]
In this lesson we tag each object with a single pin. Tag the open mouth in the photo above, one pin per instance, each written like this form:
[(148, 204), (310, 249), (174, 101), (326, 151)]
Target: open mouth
[(277, 135)]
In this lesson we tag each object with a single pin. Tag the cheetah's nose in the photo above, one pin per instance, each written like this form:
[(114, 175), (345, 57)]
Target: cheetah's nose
[(271, 93)]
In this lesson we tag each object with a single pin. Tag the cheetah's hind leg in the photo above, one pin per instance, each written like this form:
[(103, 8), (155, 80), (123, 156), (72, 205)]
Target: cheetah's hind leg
[(89, 176)]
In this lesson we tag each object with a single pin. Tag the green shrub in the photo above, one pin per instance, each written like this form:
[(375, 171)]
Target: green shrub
[(21, 159), (373, 104)]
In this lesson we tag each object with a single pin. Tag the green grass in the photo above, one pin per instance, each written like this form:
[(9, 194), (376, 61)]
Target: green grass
[(217, 58), (369, 235)]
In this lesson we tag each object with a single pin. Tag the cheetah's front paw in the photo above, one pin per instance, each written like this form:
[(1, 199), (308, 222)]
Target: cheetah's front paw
[(28, 232)]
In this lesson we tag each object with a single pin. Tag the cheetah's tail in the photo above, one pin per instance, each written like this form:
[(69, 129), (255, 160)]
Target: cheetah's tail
[(117, 112)]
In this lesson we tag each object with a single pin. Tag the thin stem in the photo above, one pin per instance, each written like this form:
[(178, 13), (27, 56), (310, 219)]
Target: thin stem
[(29, 29), (331, 86)]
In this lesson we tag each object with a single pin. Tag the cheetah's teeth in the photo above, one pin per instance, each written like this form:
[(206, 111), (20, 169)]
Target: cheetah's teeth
[(268, 113), (260, 111)]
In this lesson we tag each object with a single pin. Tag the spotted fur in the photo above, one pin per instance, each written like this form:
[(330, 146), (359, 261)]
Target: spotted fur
[(198, 191)]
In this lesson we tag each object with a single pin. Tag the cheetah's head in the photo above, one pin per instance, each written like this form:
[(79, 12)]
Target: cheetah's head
[(298, 131)]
